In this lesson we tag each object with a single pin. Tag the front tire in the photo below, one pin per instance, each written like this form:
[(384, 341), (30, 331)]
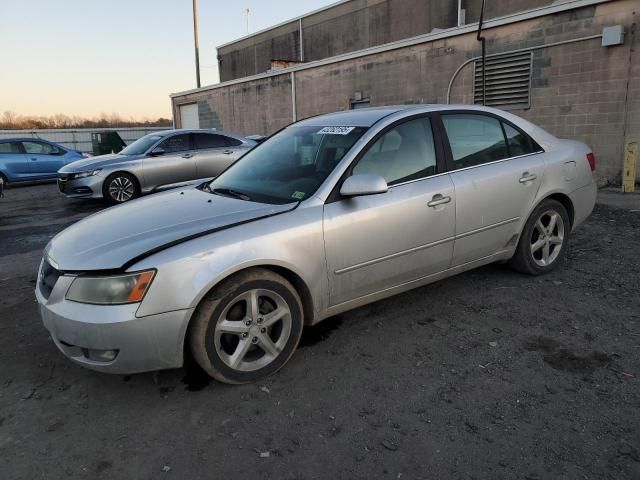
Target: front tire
[(120, 187), (544, 239), (247, 328)]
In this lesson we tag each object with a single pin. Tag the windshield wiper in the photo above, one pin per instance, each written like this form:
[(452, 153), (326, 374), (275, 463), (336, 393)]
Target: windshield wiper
[(230, 193)]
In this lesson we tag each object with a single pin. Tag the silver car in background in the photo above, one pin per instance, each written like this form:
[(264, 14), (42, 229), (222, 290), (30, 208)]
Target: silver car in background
[(329, 214), (156, 161)]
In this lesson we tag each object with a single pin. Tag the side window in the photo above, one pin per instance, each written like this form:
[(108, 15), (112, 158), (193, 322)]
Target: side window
[(404, 153), (9, 147), (232, 142), (37, 148), (207, 140), (474, 139), (177, 143), (519, 144)]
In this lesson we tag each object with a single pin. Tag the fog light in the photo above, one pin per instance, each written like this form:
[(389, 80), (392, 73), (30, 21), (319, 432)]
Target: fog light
[(100, 355)]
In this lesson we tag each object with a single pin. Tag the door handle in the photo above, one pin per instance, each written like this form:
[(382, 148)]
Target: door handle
[(228, 152), (187, 155), (438, 199), (34, 159), (527, 177)]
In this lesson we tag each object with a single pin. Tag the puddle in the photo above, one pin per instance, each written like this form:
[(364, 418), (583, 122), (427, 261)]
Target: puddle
[(564, 359), (568, 361), (319, 332)]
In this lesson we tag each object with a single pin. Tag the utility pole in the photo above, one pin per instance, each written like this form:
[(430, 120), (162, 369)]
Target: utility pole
[(248, 13), (195, 41)]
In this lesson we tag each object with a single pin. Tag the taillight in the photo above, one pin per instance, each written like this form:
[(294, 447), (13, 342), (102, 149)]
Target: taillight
[(591, 158)]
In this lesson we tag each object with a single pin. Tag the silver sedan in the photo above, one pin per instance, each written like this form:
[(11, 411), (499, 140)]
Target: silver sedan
[(331, 213), (154, 162)]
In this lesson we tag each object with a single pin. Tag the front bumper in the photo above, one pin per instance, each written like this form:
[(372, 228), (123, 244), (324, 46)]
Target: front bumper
[(87, 187), (140, 344)]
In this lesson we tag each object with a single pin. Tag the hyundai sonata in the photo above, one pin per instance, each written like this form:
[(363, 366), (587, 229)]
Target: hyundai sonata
[(331, 213)]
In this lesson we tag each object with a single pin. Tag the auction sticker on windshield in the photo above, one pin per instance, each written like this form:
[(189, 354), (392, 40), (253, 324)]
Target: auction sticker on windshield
[(336, 130)]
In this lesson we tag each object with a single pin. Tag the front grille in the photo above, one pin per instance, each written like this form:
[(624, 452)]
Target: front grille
[(48, 278)]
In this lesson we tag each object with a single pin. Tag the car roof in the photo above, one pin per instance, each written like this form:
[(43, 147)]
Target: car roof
[(366, 117), (212, 131), (164, 133)]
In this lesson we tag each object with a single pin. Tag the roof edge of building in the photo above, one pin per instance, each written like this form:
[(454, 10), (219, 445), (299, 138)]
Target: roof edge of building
[(556, 7)]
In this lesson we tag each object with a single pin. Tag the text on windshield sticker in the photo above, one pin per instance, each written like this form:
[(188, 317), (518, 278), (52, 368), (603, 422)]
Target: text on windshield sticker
[(336, 131)]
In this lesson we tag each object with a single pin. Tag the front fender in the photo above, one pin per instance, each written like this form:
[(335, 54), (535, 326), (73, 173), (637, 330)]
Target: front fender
[(188, 271)]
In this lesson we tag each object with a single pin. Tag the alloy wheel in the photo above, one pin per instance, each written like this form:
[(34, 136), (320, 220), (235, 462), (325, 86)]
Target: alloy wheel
[(547, 238), (121, 189), (253, 330)]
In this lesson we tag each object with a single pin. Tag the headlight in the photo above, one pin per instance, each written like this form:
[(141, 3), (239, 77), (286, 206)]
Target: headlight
[(115, 290), (87, 174)]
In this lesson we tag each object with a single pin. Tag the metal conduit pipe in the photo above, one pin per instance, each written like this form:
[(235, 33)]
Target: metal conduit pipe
[(519, 50)]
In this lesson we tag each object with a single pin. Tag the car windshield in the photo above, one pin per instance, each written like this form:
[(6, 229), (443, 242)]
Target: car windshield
[(141, 145), (290, 166)]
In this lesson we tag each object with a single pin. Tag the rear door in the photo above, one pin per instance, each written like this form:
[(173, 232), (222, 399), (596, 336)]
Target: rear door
[(176, 164), (13, 162), (497, 171), (214, 153), (380, 241), (45, 159)]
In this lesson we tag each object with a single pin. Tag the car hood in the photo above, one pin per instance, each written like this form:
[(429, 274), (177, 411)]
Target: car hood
[(93, 163), (111, 238)]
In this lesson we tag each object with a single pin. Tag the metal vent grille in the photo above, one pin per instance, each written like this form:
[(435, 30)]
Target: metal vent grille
[(508, 81)]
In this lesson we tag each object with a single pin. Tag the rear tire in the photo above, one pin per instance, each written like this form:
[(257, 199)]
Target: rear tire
[(247, 328), (120, 188), (544, 239)]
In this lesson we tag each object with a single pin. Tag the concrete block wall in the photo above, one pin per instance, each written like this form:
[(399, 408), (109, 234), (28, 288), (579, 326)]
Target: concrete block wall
[(343, 28), (258, 107), (579, 90)]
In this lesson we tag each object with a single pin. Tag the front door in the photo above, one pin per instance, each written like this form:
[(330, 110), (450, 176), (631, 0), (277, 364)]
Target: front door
[(497, 173), (44, 159), (376, 242), (176, 164)]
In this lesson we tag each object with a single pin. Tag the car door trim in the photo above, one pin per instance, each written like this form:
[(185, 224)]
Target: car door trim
[(393, 255), (424, 247), (488, 227)]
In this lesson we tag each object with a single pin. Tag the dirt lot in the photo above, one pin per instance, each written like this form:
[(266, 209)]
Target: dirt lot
[(488, 375)]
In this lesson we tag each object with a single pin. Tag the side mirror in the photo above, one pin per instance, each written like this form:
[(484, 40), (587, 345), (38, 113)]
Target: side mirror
[(365, 184), (157, 152)]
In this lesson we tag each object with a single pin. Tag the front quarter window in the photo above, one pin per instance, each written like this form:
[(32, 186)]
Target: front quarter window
[(290, 166)]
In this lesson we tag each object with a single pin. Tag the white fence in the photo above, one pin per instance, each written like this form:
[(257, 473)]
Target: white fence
[(80, 138)]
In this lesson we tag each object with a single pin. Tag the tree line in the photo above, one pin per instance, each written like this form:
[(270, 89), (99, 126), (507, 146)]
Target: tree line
[(13, 121)]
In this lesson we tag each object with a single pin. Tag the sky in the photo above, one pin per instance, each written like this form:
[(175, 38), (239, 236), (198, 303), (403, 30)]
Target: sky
[(87, 57)]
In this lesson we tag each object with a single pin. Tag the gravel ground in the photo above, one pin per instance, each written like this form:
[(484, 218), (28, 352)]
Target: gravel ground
[(487, 375)]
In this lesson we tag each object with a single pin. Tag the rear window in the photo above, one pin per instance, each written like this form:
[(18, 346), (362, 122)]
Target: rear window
[(9, 147), (208, 140)]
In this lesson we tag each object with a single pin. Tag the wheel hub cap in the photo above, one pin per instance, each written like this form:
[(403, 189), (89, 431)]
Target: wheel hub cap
[(253, 330), (121, 189), (547, 238)]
